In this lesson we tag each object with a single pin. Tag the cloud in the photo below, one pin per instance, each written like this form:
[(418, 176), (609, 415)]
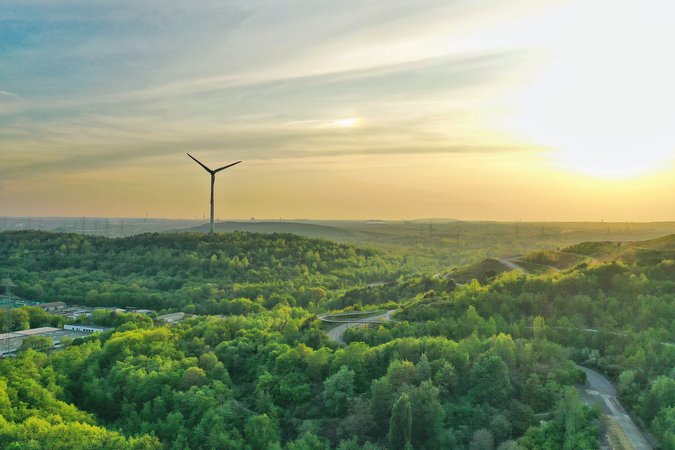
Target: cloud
[(130, 143), (115, 88)]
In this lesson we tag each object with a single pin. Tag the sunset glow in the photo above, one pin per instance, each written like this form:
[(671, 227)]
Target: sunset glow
[(345, 108), (346, 123), (602, 101)]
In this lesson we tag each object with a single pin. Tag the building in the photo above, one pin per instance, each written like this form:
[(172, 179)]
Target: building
[(85, 328), (73, 312), (52, 306), (10, 343)]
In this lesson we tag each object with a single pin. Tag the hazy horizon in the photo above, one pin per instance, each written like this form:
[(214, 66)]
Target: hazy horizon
[(310, 219)]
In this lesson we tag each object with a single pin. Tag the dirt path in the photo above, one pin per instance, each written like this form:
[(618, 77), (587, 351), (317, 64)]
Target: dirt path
[(509, 264)]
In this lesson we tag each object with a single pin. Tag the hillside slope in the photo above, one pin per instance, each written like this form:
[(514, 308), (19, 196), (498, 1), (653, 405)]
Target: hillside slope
[(192, 271), (299, 228)]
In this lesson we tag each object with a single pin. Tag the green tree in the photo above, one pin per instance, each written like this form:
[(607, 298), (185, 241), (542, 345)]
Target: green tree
[(482, 440), (261, 432), (400, 424), (423, 368), (428, 415), (337, 390), (446, 378), (500, 427), (41, 343), (193, 376), (539, 328), (490, 381)]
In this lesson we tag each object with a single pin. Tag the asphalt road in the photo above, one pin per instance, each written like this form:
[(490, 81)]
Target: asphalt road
[(336, 333), (600, 391)]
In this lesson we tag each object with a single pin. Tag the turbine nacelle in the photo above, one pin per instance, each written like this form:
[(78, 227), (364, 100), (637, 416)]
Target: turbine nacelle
[(212, 171)]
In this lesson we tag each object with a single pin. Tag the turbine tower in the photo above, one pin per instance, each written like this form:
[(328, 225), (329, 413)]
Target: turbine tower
[(213, 182)]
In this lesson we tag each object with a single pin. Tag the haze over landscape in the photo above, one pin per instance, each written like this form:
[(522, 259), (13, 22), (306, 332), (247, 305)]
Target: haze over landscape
[(340, 109)]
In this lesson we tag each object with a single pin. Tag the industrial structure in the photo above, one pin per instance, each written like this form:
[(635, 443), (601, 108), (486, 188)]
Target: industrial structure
[(213, 173), (10, 343), (85, 328)]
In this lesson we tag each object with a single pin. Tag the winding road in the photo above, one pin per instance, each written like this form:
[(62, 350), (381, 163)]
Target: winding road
[(348, 320), (621, 432)]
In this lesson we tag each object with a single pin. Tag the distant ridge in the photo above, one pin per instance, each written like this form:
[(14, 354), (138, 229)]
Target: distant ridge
[(666, 243), (650, 251), (299, 228), (608, 249)]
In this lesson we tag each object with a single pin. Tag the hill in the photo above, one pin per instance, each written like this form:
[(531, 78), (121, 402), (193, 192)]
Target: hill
[(462, 366), (190, 271), (551, 259), (610, 303), (301, 229), (641, 252), (665, 243), (484, 271)]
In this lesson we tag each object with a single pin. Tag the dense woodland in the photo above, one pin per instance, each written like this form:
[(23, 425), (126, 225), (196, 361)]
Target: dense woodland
[(472, 366), (231, 273)]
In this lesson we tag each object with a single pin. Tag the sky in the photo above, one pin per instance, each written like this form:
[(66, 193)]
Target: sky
[(340, 109)]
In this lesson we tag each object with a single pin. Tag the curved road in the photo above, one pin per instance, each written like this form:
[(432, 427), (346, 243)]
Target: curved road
[(347, 320), (622, 433)]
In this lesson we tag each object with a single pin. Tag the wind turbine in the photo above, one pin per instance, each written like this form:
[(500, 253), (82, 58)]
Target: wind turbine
[(213, 182)]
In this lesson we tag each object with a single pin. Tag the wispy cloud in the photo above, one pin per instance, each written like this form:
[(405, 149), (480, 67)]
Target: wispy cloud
[(92, 87)]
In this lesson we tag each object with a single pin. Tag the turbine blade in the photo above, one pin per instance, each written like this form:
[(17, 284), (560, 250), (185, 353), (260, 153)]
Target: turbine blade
[(199, 162), (225, 167)]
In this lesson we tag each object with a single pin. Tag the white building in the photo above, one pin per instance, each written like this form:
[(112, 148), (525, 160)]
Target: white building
[(85, 328)]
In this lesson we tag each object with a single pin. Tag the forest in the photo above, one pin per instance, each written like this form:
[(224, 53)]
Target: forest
[(230, 273), (489, 364)]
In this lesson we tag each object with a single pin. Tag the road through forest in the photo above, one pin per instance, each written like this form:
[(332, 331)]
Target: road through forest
[(336, 333), (622, 433), (621, 430)]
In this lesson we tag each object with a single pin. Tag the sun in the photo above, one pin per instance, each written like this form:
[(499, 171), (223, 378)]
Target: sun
[(605, 101), (347, 122)]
